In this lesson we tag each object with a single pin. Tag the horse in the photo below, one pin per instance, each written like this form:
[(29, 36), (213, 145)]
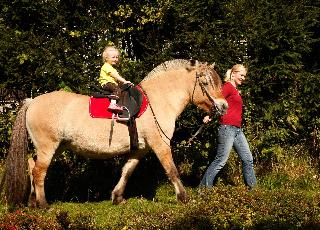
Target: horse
[(60, 120)]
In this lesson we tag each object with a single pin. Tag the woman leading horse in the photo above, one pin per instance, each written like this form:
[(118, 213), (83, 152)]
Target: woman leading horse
[(60, 120)]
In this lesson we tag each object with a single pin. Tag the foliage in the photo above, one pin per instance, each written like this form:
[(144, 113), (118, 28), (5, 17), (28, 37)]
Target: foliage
[(25, 220), (49, 45), (223, 207), (6, 122), (277, 40)]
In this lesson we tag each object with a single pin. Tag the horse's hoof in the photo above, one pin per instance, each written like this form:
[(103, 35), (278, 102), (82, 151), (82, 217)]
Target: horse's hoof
[(123, 201), (32, 201), (116, 197), (117, 200), (183, 198), (32, 204), (43, 205)]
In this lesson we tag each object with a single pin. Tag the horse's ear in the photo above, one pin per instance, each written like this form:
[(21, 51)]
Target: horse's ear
[(212, 65), (193, 62)]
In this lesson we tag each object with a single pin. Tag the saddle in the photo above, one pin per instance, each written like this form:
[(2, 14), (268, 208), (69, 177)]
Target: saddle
[(133, 100)]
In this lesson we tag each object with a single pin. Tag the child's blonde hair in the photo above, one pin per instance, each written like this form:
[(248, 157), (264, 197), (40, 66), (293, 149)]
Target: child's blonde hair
[(106, 52), (235, 68)]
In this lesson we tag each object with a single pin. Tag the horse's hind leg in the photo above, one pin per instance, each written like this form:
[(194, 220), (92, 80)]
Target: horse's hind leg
[(127, 170), (39, 172), (32, 197)]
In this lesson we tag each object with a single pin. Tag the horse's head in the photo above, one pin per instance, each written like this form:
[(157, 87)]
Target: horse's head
[(206, 92)]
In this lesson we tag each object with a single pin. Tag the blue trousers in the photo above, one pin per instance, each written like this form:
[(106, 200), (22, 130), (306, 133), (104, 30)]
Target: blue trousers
[(231, 136)]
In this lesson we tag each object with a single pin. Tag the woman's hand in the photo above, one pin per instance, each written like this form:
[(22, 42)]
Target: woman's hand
[(206, 119)]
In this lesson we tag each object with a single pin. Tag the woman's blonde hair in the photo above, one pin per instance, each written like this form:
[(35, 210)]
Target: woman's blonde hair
[(106, 52), (235, 68)]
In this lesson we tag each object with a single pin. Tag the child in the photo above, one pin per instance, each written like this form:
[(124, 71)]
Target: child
[(109, 76)]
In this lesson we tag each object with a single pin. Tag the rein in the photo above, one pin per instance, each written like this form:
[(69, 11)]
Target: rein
[(156, 120)]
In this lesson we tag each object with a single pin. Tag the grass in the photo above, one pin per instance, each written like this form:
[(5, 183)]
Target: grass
[(222, 207), (287, 197)]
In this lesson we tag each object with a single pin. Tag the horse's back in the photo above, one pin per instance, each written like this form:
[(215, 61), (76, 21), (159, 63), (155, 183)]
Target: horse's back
[(45, 112), (51, 105), (57, 97)]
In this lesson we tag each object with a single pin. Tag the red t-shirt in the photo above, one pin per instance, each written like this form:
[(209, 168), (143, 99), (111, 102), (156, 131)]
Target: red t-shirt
[(234, 112)]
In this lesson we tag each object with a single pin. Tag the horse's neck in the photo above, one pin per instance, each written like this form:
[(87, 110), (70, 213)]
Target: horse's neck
[(169, 94)]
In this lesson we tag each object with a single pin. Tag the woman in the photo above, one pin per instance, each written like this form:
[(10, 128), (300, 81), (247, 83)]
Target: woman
[(230, 133)]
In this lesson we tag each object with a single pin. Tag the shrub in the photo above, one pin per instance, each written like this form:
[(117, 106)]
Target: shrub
[(24, 220)]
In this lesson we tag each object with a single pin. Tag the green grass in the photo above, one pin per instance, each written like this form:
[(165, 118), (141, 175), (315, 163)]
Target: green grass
[(222, 207), (287, 197)]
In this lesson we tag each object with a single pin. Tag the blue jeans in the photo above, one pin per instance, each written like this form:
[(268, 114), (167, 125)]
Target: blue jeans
[(231, 136)]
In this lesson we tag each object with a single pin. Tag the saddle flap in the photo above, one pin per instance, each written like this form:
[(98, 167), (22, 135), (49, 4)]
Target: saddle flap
[(133, 99), (98, 107)]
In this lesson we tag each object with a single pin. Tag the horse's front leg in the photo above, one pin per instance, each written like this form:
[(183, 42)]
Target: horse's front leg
[(127, 170), (164, 155)]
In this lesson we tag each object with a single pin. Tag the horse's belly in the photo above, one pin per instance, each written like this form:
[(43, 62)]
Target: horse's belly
[(103, 155), (97, 138), (99, 151), (103, 149)]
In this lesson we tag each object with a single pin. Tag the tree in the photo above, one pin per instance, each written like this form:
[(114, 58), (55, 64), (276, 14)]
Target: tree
[(49, 45)]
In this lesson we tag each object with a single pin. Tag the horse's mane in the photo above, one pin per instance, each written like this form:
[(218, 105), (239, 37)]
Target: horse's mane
[(168, 65)]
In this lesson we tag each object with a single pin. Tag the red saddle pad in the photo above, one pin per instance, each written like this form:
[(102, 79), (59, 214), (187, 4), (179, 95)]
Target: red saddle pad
[(98, 106)]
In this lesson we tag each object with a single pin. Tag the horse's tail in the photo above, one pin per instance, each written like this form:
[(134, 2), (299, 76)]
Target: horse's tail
[(15, 180)]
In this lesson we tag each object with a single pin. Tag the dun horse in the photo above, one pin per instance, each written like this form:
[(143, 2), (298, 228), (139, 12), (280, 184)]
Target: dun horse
[(60, 120)]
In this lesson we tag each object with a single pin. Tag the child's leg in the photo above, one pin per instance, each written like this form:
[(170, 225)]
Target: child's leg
[(112, 88), (115, 90)]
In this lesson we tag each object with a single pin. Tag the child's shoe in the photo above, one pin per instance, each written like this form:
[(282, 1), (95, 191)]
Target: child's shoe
[(115, 108)]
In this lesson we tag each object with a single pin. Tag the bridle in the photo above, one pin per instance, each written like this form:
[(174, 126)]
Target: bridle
[(204, 89)]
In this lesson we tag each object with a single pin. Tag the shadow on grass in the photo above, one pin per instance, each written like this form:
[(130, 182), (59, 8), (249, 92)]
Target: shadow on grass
[(83, 180)]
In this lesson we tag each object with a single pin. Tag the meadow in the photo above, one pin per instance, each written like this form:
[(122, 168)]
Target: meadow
[(286, 198)]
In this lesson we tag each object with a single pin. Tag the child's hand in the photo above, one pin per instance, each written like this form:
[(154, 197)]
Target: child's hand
[(128, 82)]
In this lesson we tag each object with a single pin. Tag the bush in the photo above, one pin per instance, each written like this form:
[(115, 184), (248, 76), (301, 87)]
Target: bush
[(222, 207), (25, 220)]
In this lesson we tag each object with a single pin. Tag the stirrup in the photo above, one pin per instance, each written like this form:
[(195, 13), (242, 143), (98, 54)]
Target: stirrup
[(116, 116)]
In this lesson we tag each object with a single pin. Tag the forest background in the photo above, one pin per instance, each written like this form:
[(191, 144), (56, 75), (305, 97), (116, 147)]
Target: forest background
[(48, 45)]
